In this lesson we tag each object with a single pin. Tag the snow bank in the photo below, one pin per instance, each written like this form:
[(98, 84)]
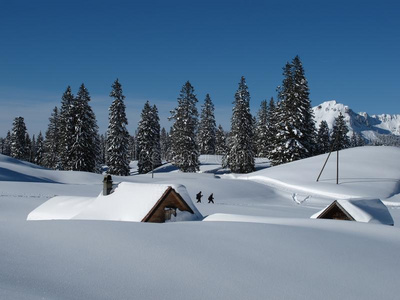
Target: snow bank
[(129, 202), (364, 173)]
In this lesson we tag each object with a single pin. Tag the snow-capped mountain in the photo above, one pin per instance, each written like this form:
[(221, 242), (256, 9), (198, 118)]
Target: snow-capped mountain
[(371, 127)]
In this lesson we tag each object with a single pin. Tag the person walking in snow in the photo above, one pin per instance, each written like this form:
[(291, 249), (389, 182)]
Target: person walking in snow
[(211, 198), (198, 197)]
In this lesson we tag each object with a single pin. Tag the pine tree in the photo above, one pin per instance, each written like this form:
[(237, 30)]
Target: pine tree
[(28, 148), (183, 138), (145, 141), (262, 142), (206, 134), (7, 144), (240, 158), (156, 155), (117, 134), (103, 149), (33, 150), (295, 129), (51, 158), (39, 150), (323, 139), (67, 129), (306, 115), (220, 141), (271, 127), (339, 138), (18, 149), (84, 149)]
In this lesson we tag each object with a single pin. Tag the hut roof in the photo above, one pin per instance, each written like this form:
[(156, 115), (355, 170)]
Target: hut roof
[(128, 202), (361, 210)]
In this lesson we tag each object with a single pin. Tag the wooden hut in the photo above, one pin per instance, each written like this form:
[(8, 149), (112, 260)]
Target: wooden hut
[(360, 210)]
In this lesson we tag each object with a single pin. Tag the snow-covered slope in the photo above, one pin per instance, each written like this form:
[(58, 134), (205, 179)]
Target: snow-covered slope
[(369, 126)]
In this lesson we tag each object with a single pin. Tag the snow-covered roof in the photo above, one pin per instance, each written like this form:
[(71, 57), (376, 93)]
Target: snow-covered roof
[(129, 202), (362, 210)]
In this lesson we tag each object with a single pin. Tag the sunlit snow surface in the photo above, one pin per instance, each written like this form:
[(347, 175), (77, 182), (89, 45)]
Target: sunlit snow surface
[(255, 243)]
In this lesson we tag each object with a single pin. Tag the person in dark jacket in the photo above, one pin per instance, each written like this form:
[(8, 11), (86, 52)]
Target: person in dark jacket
[(198, 197), (211, 198)]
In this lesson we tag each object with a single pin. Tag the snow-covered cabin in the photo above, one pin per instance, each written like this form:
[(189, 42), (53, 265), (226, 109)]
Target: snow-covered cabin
[(135, 202), (367, 211)]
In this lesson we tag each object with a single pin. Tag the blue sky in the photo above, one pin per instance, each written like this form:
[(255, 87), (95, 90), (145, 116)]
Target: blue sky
[(350, 51)]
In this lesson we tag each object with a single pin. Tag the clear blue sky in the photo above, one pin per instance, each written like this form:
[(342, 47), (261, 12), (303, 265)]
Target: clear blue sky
[(350, 51)]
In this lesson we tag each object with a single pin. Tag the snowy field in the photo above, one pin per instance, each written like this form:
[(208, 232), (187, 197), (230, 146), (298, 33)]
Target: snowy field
[(256, 241)]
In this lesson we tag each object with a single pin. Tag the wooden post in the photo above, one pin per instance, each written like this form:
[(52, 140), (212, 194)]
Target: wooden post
[(320, 173)]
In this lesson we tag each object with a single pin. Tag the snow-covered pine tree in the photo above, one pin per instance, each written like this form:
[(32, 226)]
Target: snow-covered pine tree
[(103, 149), (33, 150), (39, 150), (164, 143), (323, 138), (353, 140), (144, 139), (207, 128), (117, 134), (220, 141), (28, 147), (156, 155), (85, 147), (305, 113), (51, 158), (339, 137), (18, 133), (183, 139), (7, 144), (240, 158), (294, 135), (271, 126), (67, 129), (360, 141), (262, 142)]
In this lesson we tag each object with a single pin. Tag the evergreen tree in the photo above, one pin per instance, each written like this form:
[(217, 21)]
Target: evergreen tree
[(339, 138), (117, 135), (360, 141), (7, 144), (39, 150), (132, 148), (323, 139), (156, 155), (262, 142), (295, 129), (18, 149), (240, 158), (67, 121), (271, 127), (306, 121), (206, 134), (28, 148), (220, 141), (51, 158), (85, 148), (33, 150), (103, 149), (145, 140), (183, 138)]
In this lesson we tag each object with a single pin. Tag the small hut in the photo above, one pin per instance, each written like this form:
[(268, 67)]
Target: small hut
[(367, 211), (135, 202)]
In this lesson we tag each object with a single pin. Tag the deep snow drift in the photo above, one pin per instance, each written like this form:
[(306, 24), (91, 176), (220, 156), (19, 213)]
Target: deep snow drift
[(256, 243)]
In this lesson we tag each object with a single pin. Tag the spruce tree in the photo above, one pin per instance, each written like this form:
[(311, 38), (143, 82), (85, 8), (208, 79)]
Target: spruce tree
[(117, 134), (84, 149), (183, 138), (206, 134), (51, 158), (39, 150), (7, 144), (28, 147), (339, 138), (156, 155), (220, 141), (240, 158), (262, 141), (295, 129), (271, 127), (323, 138), (67, 129), (144, 138), (18, 133)]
